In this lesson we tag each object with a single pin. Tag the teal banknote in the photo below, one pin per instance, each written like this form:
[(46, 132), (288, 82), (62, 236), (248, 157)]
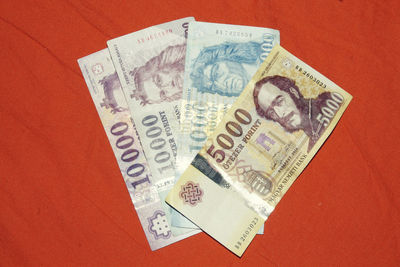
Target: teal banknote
[(220, 61)]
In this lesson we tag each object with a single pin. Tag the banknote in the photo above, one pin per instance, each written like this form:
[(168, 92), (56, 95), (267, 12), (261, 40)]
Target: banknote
[(105, 89), (220, 60), (260, 147), (150, 65)]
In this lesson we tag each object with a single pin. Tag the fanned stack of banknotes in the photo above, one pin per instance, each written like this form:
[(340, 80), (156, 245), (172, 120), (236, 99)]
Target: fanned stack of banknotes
[(210, 125)]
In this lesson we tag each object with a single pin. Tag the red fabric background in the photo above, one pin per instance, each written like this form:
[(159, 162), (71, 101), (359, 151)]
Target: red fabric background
[(62, 197)]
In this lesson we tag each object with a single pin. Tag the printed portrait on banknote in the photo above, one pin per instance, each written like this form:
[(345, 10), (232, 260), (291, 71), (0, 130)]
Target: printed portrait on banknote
[(260, 147), (218, 69), (161, 78), (279, 99)]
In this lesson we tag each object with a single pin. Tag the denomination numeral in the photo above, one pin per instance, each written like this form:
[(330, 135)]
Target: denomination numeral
[(266, 46), (205, 116), (149, 120), (158, 143), (153, 132), (337, 97), (186, 26), (123, 145), (198, 135), (215, 153), (132, 170), (129, 155), (119, 128), (162, 157), (234, 129), (329, 111), (332, 104), (225, 141), (241, 114)]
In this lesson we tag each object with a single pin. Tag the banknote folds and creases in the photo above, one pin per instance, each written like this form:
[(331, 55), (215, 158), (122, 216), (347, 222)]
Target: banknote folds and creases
[(259, 148), (106, 92)]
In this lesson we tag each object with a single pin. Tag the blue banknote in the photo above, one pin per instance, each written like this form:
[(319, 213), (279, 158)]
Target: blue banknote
[(220, 61)]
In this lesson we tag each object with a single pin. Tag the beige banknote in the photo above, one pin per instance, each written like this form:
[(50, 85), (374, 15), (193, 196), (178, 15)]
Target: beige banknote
[(267, 138)]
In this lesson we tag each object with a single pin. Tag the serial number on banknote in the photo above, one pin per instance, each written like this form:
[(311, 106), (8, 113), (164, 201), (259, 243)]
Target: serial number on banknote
[(246, 232), (309, 75)]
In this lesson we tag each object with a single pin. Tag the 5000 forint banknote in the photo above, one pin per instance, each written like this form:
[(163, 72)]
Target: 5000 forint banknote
[(261, 146)]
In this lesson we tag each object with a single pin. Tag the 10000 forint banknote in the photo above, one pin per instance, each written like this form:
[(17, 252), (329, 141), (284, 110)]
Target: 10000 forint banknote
[(150, 64), (261, 146), (105, 89), (220, 61)]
